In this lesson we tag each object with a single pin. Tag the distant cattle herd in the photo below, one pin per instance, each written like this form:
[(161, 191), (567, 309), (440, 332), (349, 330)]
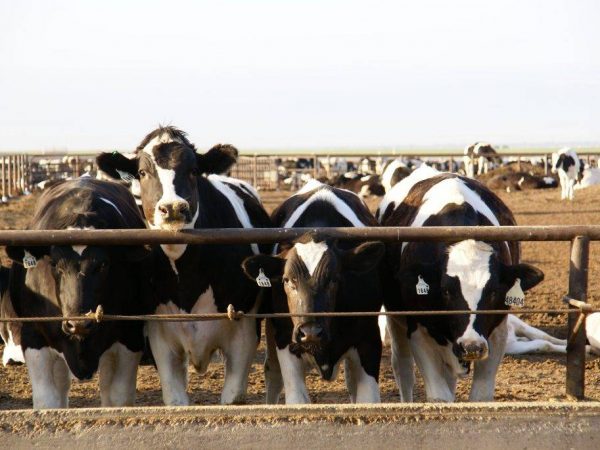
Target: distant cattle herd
[(167, 184)]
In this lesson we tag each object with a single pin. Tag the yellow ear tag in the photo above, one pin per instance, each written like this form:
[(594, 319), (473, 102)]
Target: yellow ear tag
[(29, 261), (262, 280), (515, 295), (422, 287)]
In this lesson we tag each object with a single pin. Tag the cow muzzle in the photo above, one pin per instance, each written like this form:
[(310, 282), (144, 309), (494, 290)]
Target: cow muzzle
[(77, 328), (472, 350), (174, 212)]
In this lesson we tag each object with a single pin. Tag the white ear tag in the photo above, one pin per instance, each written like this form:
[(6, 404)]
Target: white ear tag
[(515, 295), (262, 280), (422, 287), (125, 176), (29, 261)]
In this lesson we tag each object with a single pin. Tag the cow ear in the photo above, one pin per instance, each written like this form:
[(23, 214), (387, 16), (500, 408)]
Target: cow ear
[(218, 159), (271, 266), (18, 254), (117, 166), (529, 275), (363, 258)]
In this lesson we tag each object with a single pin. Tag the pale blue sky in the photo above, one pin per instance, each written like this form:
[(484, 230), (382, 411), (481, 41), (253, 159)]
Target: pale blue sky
[(272, 74)]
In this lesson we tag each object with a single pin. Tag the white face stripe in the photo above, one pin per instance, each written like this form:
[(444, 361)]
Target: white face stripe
[(105, 200), (79, 249), (469, 262), (328, 196), (167, 182), (310, 254)]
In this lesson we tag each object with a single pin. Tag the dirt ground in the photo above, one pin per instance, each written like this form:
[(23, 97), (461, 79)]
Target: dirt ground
[(524, 378)]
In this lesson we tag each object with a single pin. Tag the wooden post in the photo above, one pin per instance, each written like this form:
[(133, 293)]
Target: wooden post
[(546, 164), (519, 164), (451, 164), (578, 281), (77, 171), (315, 167)]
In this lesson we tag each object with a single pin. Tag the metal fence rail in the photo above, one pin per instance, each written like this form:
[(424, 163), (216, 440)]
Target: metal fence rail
[(580, 237)]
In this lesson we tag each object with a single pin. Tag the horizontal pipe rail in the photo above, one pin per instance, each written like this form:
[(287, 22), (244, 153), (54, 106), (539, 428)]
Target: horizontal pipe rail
[(273, 235), (234, 315)]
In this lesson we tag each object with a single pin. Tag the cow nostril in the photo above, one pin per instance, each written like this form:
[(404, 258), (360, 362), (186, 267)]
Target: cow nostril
[(163, 210), (301, 336)]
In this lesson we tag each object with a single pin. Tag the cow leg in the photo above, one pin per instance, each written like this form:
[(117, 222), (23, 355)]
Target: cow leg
[(402, 359), (522, 328), (50, 378), (117, 372), (481, 165), (484, 374), (571, 189), (239, 355), (350, 378), (273, 378), (432, 367), (292, 370), (172, 367), (363, 387), (534, 346)]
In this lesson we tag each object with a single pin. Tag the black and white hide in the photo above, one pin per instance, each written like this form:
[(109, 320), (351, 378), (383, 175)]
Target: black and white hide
[(465, 275), (311, 275), (183, 189), (65, 280)]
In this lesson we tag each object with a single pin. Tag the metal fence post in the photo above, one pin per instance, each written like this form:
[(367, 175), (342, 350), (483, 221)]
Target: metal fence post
[(4, 196), (10, 181), (254, 170), (578, 281)]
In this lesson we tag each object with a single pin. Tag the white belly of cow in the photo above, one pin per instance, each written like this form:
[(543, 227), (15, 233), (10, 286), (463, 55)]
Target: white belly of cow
[(199, 339)]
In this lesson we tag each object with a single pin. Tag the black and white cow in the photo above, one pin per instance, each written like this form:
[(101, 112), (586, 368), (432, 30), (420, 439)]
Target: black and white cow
[(323, 276), (182, 189), (466, 275), (485, 154), (570, 168), (73, 280), (394, 171), (360, 183)]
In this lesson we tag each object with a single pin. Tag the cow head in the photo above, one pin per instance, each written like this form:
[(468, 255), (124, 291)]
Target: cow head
[(75, 278), (309, 273), (472, 278), (167, 166)]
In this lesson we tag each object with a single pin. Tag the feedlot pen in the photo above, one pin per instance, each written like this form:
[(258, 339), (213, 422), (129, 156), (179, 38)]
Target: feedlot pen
[(534, 377)]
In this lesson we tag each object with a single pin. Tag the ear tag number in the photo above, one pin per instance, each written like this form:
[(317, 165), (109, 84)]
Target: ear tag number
[(29, 261), (125, 176), (422, 287), (515, 296), (262, 280)]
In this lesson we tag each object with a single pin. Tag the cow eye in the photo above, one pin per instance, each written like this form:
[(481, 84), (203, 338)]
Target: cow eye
[(142, 173), (286, 280)]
